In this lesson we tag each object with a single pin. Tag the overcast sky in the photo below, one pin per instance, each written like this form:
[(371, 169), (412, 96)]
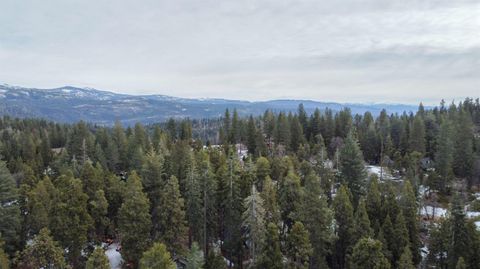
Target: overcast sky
[(339, 50)]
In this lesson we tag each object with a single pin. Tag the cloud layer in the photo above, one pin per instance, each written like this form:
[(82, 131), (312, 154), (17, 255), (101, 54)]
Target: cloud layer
[(350, 50)]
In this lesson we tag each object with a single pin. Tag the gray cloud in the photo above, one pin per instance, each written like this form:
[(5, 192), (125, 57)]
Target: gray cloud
[(349, 50)]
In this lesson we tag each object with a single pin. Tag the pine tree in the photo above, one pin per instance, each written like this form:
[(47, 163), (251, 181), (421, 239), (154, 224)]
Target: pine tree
[(406, 261), (251, 136), (401, 237), (282, 130), (352, 168), (157, 257), (296, 134), (91, 180), (4, 262), (318, 220), (40, 202), (459, 240), (215, 261), (98, 211), (367, 254), (409, 208), (344, 227), (362, 222), (463, 154), (254, 223), (389, 235), (262, 170), (70, 221), (134, 222), (98, 260), (43, 252), (172, 226), (269, 196), (207, 191), (302, 118), (271, 256), (232, 207), (417, 136), (153, 182), (298, 247), (290, 198), (374, 205), (194, 258), (9, 209), (444, 156), (461, 264)]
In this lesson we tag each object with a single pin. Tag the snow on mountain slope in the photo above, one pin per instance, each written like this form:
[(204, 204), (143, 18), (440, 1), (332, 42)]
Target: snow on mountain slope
[(71, 104)]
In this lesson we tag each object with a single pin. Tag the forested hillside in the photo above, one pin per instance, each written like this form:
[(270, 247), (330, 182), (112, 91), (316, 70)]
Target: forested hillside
[(296, 190)]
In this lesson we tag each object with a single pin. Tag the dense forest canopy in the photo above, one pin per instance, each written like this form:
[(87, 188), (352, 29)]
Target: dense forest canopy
[(296, 190)]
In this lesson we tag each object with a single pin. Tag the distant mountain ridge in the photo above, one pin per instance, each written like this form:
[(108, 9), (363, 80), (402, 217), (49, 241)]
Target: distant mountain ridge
[(71, 104)]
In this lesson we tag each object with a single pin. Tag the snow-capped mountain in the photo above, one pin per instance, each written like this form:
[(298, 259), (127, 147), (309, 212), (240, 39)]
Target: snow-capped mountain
[(71, 104)]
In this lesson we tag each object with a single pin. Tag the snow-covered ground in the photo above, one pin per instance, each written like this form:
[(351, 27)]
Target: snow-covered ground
[(377, 170), (114, 257), (430, 211), (477, 223)]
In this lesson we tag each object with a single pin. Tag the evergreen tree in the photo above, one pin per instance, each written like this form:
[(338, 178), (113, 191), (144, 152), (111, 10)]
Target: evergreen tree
[(290, 198), (134, 222), (344, 227), (282, 130), (43, 252), (461, 264), (157, 257), (262, 170), (298, 247), (215, 261), (409, 208), (401, 237), (367, 254), (271, 256), (251, 136), (9, 209), (296, 134), (374, 205), (444, 156), (172, 216), (232, 207), (406, 261), (417, 136), (4, 262), (207, 190), (153, 182), (194, 258), (254, 223), (389, 236), (97, 260), (352, 168), (40, 203), (318, 220), (362, 222), (91, 180), (459, 240), (269, 196), (70, 221), (98, 211), (463, 154)]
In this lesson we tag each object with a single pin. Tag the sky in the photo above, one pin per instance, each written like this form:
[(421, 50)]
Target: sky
[(372, 51)]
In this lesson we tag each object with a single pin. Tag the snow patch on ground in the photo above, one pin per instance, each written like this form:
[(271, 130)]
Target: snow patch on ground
[(377, 170), (430, 211), (114, 257), (472, 214), (477, 223)]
